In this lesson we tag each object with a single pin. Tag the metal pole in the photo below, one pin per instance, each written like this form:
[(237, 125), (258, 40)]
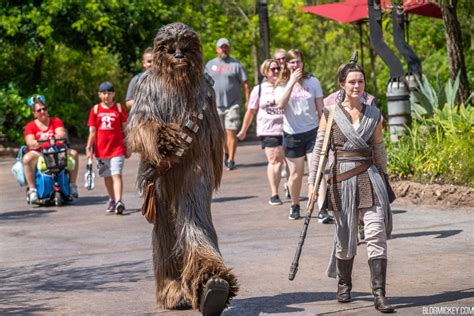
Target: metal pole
[(398, 96), (264, 28)]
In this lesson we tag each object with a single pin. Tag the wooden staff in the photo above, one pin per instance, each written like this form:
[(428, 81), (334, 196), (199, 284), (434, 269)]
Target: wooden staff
[(314, 194)]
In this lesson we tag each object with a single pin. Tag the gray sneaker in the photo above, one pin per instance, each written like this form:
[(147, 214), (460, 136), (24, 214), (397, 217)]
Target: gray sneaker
[(230, 165), (119, 208), (73, 189), (111, 206), (226, 159), (294, 212), (324, 217), (275, 200)]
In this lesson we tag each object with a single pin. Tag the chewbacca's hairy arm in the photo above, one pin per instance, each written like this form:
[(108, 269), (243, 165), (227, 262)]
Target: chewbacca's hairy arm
[(217, 136)]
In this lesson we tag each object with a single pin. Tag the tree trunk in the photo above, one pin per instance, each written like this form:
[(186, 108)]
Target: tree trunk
[(38, 67), (452, 31)]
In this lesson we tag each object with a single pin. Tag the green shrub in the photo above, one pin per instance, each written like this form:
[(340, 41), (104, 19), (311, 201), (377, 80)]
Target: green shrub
[(14, 114), (437, 149)]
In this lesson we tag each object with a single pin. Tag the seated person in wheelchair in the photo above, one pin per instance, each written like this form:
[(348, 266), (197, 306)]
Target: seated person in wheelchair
[(41, 128)]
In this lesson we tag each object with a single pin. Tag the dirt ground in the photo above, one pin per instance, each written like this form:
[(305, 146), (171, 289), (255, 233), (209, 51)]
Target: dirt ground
[(433, 194)]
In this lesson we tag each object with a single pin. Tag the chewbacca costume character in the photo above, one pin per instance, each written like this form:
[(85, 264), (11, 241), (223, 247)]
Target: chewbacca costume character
[(175, 127)]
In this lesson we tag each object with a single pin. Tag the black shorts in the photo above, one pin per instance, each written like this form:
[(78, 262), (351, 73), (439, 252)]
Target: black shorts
[(271, 141), (298, 145)]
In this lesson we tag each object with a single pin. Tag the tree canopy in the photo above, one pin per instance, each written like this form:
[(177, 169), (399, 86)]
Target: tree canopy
[(65, 48)]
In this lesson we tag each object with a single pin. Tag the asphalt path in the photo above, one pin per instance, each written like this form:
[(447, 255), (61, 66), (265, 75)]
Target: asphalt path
[(76, 260)]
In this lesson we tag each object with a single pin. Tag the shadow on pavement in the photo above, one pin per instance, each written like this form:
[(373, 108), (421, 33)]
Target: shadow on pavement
[(281, 303), (399, 211), (91, 200), (20, 283), (439, 233), (232, 198), (26, 214), (250, 165), (130, 211), (426, 300)]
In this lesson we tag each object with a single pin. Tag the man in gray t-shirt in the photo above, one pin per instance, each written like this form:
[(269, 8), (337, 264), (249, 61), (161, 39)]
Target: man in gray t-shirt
[(147, 62), (229, 77)]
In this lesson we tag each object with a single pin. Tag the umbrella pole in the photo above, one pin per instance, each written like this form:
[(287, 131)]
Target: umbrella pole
[(361, 45)]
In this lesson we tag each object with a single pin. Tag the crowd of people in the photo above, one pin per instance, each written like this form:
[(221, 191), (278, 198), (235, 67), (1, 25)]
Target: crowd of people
[(288, 104), (291, 120)]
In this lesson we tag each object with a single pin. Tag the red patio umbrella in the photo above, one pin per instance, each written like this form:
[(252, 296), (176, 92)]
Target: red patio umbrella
[(355, 10), (420, 7), (344, 12)]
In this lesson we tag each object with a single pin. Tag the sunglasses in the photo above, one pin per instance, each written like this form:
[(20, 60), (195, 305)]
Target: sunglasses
[(36, 98), (42, 110), (275, 69)]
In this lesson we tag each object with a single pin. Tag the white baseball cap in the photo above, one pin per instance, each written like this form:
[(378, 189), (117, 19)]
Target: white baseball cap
[(221, 42)]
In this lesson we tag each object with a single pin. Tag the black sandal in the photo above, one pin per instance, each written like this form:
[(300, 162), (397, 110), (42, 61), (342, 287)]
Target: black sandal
[(214, 297)]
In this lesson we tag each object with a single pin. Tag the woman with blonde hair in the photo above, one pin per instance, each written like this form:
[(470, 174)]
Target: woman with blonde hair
[(269, 124)]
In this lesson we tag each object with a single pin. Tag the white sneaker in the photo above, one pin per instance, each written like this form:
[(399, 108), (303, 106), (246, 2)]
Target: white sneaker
[(33, 196), (73, 189)]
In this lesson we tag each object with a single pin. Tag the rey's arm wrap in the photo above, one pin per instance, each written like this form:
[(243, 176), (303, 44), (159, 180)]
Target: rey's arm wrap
[(380, 157), (313, 166)]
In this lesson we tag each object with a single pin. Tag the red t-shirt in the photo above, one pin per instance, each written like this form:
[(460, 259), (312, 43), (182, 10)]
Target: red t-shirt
[(32, 129), (109, 137)]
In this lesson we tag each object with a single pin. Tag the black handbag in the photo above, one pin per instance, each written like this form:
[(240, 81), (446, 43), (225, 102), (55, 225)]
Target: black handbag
[(391, 195)]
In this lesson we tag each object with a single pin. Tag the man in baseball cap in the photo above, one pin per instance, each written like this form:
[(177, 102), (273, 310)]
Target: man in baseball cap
[(221, 42), (229, 78)]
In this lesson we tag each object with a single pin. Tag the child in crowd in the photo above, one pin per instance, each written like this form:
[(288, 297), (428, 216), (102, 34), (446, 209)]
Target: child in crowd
[(107, 122)]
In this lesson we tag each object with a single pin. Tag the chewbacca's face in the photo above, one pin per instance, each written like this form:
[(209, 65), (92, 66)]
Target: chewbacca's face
[(177, 54)]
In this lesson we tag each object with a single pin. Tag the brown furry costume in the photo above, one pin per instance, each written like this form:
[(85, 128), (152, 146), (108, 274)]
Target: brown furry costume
[(175, 90)]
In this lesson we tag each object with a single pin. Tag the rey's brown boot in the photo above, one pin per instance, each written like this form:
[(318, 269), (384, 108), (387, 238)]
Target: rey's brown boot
[(378, 271), (344, 280)]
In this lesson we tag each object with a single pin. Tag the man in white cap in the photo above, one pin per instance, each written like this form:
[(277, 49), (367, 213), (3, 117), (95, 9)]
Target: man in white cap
[(229, 77)]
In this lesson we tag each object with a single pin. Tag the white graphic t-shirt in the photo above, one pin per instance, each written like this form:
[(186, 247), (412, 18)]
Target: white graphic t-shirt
[(300, 115)]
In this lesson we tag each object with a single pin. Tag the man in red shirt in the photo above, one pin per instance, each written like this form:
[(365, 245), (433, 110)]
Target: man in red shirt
[(41, 128), (107, 122)]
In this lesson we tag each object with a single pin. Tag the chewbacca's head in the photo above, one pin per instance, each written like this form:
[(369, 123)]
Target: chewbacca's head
[(178, 56)]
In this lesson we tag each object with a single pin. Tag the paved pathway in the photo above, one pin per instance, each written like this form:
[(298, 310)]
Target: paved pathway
[(78, 260)]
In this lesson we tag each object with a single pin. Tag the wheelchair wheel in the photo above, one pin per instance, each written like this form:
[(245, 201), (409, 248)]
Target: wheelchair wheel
[(58, 200)]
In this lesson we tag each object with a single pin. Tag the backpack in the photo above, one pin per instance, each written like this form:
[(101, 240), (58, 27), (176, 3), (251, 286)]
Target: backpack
[(96, 108), (17, 169)]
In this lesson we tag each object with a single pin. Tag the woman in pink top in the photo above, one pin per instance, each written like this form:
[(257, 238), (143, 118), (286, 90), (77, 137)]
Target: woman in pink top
[(269, 124)]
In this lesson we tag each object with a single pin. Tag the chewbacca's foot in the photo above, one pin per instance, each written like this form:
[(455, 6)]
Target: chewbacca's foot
[(183, 304), (214, 297)]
